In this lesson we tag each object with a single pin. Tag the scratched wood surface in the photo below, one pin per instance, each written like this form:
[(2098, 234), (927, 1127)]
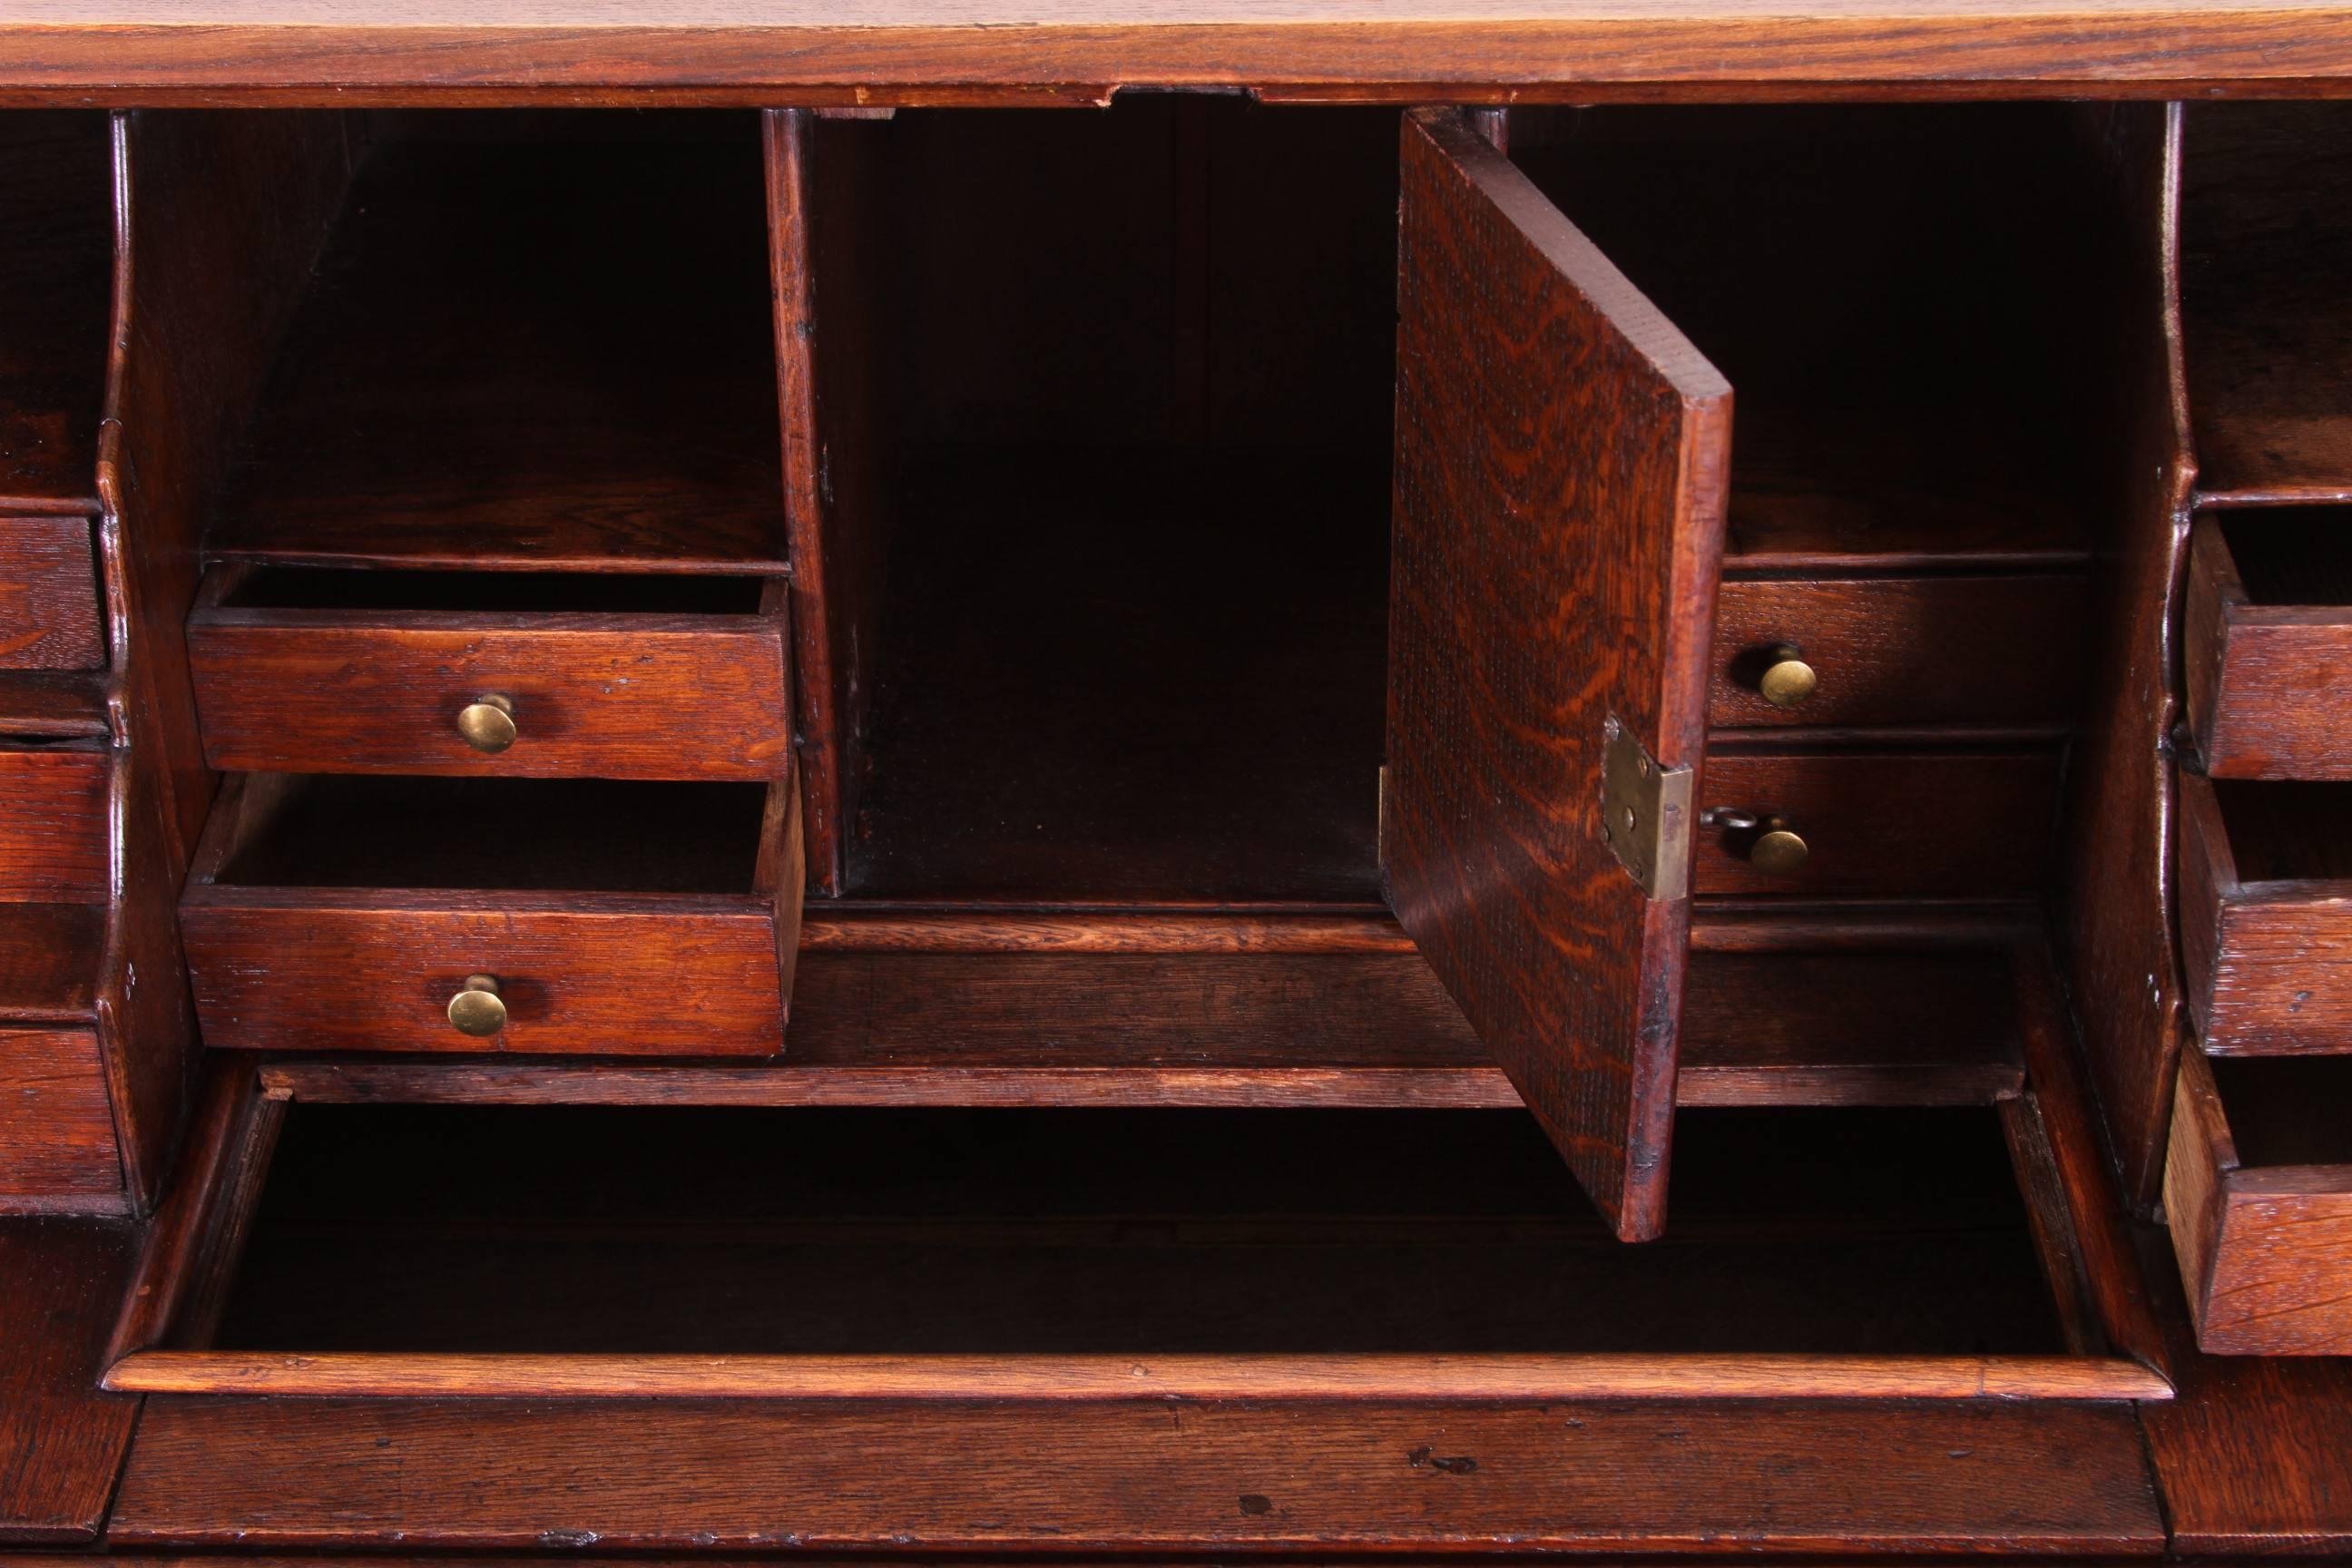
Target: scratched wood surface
[(1561, 463)]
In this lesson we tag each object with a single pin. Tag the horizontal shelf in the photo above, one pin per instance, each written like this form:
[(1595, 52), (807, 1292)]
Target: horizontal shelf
[(533, 343)]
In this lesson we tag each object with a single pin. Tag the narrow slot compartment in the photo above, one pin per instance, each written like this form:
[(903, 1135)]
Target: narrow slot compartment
[(503, 593), (406, 1229), (534, 341), (56, 282), (1891, 291), (2266, 321)]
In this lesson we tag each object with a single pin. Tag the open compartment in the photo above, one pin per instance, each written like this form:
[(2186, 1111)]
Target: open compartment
[(595, 675), (398, 1249), (2266, 320), (534, 341), (438, 914), (2267, 641), (2258, 1192), (2266, 913)]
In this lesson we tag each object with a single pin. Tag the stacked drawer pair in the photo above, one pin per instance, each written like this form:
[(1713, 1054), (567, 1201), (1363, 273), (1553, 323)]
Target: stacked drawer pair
[(492, 637)]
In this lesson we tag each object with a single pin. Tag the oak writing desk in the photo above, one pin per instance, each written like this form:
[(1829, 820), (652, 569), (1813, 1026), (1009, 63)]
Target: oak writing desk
[(1181, 781)]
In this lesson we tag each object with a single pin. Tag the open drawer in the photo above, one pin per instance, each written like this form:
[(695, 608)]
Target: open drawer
[(2268, 642), (346, 911), (529, 674), (2258, 1191), (2266, 915)]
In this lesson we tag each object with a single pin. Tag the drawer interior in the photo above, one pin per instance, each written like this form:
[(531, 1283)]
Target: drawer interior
[(2287, 830), (2287, 1110), (497, 593), (55, 270), (532, 339), (358, 830), (741, 1231), (2290, 555)]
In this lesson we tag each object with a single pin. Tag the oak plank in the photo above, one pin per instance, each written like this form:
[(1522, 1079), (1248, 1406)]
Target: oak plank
[(61, 1437)]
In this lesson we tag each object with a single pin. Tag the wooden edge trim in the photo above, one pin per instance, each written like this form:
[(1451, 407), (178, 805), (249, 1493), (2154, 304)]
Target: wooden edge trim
[(2111, 1275), (1390, 1377), (200, 1225)]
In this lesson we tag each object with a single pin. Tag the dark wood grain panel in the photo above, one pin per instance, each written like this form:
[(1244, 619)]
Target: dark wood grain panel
[(1686, 1476), (66, 704), (652, 975), (1561, 452), (61, 1438), (1988, 650), (56, 1137), (2269, 666), (49, 960), (53, 829), (639, 697), (49, 593), (55, 286), (1923, 823)]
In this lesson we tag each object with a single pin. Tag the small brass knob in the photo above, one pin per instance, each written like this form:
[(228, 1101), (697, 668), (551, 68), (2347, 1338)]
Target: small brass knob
[(1777, 850), (1787, 679), (477, 1010), (487, 722)]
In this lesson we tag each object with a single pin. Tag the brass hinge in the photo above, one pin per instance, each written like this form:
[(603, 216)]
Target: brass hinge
[(1645, 813)]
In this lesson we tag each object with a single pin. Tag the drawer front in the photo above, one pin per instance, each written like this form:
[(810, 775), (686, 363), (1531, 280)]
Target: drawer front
[(53, 833), (48, 595), (2265, 1254), (593, 696), (2268, 962), (1915, 824), (623, 976), (2268, 685), (56, 1131), (1902, 651)]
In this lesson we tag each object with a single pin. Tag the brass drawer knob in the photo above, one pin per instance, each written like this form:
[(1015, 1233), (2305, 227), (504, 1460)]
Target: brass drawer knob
[(1777, 850), (487, 722), (477, 1009), (1787, 679)]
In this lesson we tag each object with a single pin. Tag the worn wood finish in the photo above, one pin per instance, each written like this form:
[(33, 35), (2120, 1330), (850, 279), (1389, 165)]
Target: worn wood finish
[(1259, 1028), (56, 1137), (598, 696), (1906, 651), (1477, 1378), (61, 1438), (55, 286), (284, 50), (2267, 675), (2263, 1246), (1923, 823), (45, 974), (1688, 1477), (59, 703), (53, 825), (49, 593), (2266, 924), (1561, 452), (2117, 905), (832, 330)]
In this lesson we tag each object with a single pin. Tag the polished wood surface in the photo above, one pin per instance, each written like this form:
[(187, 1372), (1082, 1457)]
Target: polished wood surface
[(2267, 644), (1558, 537), (53, 829), (49, 593), (62, 1439), (58, 1139)]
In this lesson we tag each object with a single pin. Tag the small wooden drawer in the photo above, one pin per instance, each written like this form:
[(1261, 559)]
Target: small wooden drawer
[(348, 912), (321, 669), (2258, 1192), (2266, 915), (49, 595), (2268, 642), (53, 824), (1878, 652), (56, 1129), (1914, 823)]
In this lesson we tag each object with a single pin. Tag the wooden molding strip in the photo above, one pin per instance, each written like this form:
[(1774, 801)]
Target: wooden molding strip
[(1477, 1378)]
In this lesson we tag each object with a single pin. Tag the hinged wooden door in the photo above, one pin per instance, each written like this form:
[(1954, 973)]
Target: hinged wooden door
[(1561, 460)]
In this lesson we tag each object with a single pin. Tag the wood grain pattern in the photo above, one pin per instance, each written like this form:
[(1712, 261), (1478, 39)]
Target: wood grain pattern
[(56, 1129), (2264, 1249), (61, 1438), (1560, 461), (53, 825), (1903, 650), (1258, 1029), (60, 703), (49, 961), (1836, 1478), (2266, 680), (640, 697), (1920, 824), (1482, 1378), (2267, 947), (49, 593), (282, 52)]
